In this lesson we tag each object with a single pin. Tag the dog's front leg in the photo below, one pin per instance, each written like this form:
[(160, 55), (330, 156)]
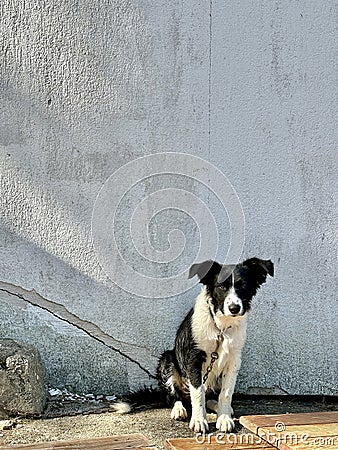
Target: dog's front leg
[(224, 420), (198, 420)]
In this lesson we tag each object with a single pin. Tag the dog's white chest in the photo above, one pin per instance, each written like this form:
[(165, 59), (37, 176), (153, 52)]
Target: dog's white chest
[(228, 347), (208, 336), (231, 344)]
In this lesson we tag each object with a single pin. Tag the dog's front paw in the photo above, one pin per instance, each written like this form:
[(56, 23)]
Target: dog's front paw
[(225, 423), (199, 424), (178, 412)]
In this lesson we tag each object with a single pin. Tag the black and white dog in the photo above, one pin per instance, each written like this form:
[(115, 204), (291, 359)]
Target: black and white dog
[(208, 346)]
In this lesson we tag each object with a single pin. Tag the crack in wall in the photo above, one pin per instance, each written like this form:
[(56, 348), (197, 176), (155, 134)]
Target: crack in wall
[(132, 352), (210, 77)]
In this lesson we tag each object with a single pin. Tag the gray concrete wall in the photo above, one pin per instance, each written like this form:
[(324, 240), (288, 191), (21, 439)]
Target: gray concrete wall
[(87, 87)]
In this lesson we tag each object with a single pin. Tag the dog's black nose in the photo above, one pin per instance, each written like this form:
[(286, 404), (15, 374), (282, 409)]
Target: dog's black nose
[(234, 309)]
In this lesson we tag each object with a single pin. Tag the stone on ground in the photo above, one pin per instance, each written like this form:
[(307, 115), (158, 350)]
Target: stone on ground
[(22, 388)]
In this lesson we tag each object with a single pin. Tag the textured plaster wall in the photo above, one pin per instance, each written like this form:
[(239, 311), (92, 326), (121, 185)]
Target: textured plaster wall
[(86, 87)]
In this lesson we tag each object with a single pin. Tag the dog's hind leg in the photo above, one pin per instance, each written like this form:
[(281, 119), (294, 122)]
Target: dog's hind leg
[(165, 371), (178, 412), (168, 377), (213, 406)]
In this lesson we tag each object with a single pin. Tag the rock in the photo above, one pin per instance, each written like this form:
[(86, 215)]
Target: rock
[(22, 389), (55, 392)]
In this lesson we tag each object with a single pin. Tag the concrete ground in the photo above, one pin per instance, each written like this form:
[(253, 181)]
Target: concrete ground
[(153, 423)]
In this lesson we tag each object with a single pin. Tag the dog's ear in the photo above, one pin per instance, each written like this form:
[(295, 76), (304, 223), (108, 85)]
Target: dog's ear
[(206, 271), (225, 272), (259, 269)]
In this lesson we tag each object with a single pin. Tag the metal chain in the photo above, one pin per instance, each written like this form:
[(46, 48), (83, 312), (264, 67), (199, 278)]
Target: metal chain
[(214, 357)]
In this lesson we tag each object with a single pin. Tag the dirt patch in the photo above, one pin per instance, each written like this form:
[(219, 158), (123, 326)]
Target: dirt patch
[(85, 417)]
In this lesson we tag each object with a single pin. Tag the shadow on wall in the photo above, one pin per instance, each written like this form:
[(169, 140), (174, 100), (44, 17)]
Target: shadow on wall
[(60, 316), (47, 248)]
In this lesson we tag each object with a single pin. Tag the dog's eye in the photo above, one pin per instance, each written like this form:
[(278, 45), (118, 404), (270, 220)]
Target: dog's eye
[(221, 286)]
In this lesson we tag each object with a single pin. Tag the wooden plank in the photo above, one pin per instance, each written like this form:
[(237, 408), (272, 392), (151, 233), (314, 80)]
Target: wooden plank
[(324, 442), (326, 429), (253, 423), (121, 442), (296, 431), (301, 436), (218, 441)]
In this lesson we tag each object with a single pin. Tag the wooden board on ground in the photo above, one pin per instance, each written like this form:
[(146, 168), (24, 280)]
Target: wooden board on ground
[(122, 442), (218, 441), (253, 423), (296, 431)]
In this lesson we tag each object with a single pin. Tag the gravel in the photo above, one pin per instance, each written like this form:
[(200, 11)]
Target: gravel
[(73, 416)]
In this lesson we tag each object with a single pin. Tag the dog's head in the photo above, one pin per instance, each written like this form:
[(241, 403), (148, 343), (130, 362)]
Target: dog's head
[(231, 287)]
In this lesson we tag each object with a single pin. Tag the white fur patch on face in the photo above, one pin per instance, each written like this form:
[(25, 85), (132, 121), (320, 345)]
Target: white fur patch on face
[(206, 326), (232, 304)]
